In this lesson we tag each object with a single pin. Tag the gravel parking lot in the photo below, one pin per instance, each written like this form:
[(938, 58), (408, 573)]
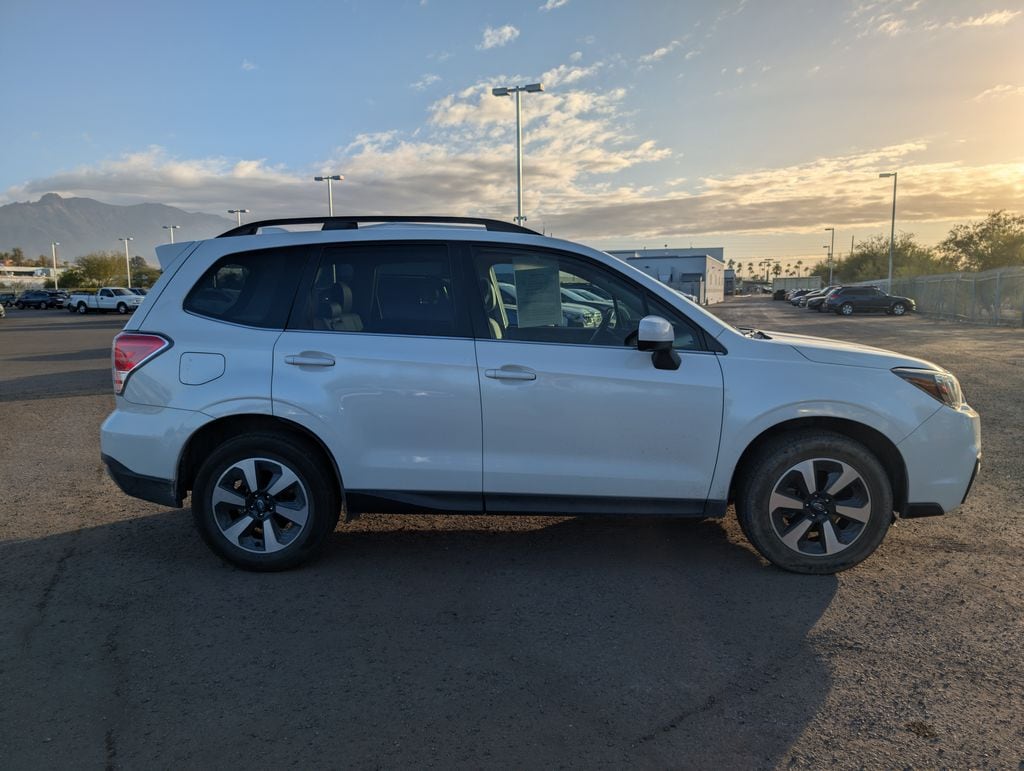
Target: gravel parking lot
[(472, 641)]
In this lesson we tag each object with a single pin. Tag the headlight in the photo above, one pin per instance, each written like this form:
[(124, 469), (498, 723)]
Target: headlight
[(941, 386)]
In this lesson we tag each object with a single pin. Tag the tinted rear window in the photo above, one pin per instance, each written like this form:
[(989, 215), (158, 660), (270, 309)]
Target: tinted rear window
[(251, 288)]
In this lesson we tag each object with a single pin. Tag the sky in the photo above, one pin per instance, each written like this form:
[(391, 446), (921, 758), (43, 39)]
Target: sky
[(749, 124)]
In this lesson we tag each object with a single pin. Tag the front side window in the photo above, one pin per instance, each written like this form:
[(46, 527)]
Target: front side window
[(255, 289), (537, 296), (396, 289)]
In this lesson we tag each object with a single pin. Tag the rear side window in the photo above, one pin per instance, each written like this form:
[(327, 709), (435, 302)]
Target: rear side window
[(391, 289), (251, 288)]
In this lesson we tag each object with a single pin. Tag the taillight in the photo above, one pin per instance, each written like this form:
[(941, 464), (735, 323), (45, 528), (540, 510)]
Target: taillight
[(131, 351)]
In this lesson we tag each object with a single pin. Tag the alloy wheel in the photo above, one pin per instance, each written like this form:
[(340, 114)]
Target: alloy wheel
[(819, 507), (260, 505)]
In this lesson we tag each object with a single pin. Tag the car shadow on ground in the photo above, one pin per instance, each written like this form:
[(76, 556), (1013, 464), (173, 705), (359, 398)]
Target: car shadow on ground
[(411, 642), (83, 382)]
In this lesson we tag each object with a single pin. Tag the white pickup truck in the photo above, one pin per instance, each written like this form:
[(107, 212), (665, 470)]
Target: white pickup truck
[(109, 298)]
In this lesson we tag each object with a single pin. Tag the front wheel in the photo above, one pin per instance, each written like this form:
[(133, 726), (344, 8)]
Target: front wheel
[(898, 309), (264, 502), (815, 502)]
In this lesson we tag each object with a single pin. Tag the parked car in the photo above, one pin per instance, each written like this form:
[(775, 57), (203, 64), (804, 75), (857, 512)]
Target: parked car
[(109, 298), (867, 299), (818, 303), (286, 378), (58, 297), (796, 294), (815, 294), (779, 294), (7, 298), (34, 298)]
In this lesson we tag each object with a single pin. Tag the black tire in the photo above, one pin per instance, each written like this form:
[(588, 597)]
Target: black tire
[(846, 309), (83, 308), (318, 494), (774, 461), (898, 309), (19, 305), (122, 308)]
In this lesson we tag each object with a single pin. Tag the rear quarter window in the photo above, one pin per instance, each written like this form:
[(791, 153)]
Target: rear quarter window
[(255, 289)]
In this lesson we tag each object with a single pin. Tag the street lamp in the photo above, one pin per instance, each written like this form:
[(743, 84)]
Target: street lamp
[(171, 228), (53, 251), (531, 88), (328, 178), (127, 259), (892, 232), (238, 214), (831, 251)]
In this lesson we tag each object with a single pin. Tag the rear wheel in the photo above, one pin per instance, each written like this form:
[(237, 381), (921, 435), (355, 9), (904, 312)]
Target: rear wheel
[(122, 308), (264, 502), (83, 308), (846, 309), (815, 502)]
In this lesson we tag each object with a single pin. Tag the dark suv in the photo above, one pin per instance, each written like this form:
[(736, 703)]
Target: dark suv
[(34, 299), (867, 299)]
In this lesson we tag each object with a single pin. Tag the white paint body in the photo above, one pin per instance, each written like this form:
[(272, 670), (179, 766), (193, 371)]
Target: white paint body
[(413, 413)]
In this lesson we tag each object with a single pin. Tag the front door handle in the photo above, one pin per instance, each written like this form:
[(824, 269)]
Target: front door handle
[(310, 360), (510, 374)]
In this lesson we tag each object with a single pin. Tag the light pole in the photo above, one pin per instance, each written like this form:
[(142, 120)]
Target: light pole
[(238, 214), (330, 195), (127, 259), (831, 251), (171, 228), (53, 251), (892, 232), (517, 91)]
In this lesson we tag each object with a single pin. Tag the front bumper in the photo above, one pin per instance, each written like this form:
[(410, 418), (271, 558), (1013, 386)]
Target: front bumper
[(942, 456)]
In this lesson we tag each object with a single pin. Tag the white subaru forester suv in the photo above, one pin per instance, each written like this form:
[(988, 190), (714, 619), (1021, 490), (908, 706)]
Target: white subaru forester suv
[(371, 365)]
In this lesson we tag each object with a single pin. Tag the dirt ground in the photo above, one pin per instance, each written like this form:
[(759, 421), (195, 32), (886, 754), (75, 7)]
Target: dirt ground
[(474, 642)]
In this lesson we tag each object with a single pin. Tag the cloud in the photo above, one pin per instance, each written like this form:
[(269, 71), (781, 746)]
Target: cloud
[(565, 74), (425, 82), (497, 37), (659, 53), (578, 144), (993, 19), (1001, 91), (551, 5), (249, 66)]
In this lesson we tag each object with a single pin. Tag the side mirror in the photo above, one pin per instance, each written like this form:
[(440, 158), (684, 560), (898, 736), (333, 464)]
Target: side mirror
[(657, 335)]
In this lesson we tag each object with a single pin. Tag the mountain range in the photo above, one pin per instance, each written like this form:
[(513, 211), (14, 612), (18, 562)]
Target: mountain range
[(84, 225)]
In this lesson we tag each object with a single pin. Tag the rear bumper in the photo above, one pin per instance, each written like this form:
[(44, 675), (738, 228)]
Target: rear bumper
[(147, 488)]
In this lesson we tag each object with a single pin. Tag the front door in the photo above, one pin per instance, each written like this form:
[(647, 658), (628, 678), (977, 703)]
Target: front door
[(575, 418)]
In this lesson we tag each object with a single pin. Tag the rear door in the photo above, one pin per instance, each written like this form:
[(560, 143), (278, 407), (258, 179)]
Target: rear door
[(378, 361)]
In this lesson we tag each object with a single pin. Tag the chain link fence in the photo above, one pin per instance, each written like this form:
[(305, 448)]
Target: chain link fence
[(993, 297)]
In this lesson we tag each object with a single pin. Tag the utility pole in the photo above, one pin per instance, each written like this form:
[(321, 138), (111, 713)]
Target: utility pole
[(238, 214), (171, 228), (517, 92), (892, 232), (53, 251), (127, 259), (831, 250), (330, 193)]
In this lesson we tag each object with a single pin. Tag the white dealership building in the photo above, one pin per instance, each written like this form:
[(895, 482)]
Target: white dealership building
[(696, 271)]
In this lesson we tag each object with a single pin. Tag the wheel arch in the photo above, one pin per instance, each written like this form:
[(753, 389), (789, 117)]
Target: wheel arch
[(218, 431), (877, 442)]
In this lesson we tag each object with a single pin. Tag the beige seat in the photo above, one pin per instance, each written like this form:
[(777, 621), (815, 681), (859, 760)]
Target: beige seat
[(334, 310), (493, 307)]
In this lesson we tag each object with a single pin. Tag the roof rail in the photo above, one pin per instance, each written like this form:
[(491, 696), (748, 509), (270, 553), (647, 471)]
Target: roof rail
[(352, 223)]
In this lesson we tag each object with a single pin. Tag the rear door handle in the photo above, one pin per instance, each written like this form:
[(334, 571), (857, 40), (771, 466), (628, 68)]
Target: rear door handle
[(510, 374), (310, 360)]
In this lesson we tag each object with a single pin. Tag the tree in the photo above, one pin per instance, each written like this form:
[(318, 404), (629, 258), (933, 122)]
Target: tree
[(870, 261), (995, 242), (102, 268), (776, 270)]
